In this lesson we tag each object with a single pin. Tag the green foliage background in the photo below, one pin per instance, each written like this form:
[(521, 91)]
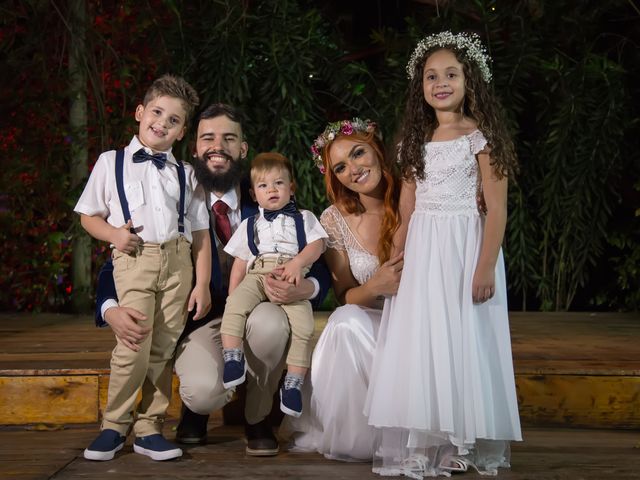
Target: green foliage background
[(566, 72)]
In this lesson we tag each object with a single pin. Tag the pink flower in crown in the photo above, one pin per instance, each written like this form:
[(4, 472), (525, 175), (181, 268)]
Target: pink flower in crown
[(322, 169), (315, 150), (347, 128)]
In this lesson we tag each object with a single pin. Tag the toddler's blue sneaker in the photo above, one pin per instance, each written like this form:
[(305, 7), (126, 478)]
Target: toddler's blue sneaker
[(157, 447), (291, 401), (105, 446), (235, 369)]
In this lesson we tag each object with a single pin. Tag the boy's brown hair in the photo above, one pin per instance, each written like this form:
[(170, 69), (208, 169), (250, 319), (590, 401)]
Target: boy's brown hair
[(177, 87), (266, 161)]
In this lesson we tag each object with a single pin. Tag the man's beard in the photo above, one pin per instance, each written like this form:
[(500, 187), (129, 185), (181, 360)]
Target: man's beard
[(218, 182)]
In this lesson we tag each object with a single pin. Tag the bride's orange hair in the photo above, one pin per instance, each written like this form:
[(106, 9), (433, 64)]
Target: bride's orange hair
[(349, 200)]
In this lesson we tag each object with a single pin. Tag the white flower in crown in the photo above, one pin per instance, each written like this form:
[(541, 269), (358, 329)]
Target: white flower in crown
[(469, 43), (343, 127)]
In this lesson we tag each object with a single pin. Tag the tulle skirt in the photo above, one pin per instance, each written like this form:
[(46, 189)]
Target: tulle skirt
[(442, 381), (333, 422)]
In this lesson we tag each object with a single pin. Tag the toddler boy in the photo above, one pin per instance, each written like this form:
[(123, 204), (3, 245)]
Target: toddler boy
[(280, 240)]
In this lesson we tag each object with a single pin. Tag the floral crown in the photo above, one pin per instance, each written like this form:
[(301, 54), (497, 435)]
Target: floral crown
[(468, 42), (343, 127)]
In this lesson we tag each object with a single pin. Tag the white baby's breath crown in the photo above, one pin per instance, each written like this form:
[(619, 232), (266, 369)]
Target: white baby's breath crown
[(469, 43)]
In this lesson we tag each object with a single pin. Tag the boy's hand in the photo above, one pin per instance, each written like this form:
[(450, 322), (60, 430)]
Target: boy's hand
[(280, 292), (292, 272), (200, 299), (124, 240)]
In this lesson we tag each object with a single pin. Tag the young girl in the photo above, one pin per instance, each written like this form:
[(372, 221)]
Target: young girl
[(442, 389)]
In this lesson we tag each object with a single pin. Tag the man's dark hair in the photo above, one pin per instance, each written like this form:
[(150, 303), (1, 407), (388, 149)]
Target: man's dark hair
[(216, 109)]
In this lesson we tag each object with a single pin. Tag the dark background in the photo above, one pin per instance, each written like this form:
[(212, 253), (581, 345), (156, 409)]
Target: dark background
[(566, 73)]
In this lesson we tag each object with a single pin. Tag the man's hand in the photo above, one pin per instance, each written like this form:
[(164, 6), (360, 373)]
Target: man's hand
[(282, 292), (124, 240), (124, 323)]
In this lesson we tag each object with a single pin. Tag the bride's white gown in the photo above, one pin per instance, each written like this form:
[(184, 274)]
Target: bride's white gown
[(442, 381), (333, 422)]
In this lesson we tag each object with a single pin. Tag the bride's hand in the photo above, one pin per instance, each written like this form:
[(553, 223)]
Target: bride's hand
[(387, 278)]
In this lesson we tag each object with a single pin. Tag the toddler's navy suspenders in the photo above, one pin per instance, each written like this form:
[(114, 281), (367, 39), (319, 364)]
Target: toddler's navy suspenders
[(251, 238), (123, 198)]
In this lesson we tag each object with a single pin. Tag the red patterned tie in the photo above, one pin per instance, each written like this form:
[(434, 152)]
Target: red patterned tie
[(223, 226)]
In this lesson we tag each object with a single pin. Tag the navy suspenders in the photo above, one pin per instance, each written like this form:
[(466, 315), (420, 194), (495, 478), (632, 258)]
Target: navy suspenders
[(251, 236), (123, 198), (182, 181), (120, 186)]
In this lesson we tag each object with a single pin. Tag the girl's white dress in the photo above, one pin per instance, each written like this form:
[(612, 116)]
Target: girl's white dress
[(332, 421), (442, 382)]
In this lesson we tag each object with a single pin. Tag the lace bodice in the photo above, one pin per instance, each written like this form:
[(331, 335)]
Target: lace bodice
[(452, 176), (363, 264)]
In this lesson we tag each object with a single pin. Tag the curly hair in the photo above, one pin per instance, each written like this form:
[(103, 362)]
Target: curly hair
[(350, 201), (480, 104)]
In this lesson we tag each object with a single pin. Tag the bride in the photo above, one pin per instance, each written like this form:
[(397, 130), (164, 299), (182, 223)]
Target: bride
[(363, 187)]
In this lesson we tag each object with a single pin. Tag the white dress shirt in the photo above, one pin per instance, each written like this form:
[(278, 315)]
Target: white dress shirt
[(153, 195), (276, 237)]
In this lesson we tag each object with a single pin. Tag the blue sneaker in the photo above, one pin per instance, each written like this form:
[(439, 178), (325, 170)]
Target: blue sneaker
[(105, 446), (235, 369), (291, 401), (157, 447)]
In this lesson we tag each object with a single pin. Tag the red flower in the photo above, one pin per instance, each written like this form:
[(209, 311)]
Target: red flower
[(346, 129)]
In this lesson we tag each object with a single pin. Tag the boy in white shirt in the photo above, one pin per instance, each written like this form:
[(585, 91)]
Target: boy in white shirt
[(149, 207), (279, 236)]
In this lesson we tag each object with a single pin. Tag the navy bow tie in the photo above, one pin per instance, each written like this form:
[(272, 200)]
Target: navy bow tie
[(289, 209), (158, 159)]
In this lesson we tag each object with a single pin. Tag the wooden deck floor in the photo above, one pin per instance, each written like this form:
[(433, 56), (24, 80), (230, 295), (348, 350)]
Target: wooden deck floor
[(572, 369), (576, 343), (545, 454)]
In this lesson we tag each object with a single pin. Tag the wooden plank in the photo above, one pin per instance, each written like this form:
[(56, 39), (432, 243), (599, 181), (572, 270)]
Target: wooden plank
[(174, 407), (70, 399), (53, 363), (544, 400), (554, 366), (550, 350), (576, 342), (608, 341), (580, 401), (545, 454)]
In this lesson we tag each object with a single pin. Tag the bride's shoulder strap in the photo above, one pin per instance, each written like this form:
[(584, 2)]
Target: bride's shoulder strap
[(335, 226)]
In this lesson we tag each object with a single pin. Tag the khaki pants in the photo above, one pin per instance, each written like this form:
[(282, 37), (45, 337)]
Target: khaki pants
[(199, 363), (156, 281), (250, 293)]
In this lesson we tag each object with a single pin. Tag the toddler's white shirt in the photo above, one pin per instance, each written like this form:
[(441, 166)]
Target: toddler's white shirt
[(278, 236)]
